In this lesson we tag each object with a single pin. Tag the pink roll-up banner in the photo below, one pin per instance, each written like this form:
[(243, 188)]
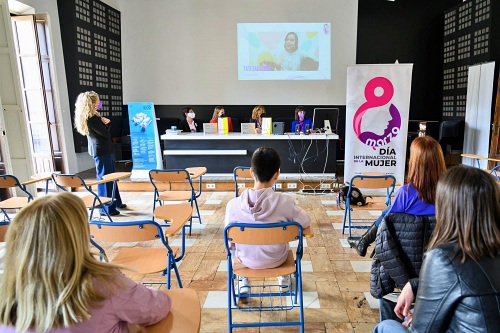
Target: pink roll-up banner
[(377, 112)]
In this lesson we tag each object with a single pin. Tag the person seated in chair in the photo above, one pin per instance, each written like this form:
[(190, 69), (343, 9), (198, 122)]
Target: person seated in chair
[(189, 123), (261, 204), (257, 114), (53, 283), (458, 288), (219, 112), (301, 120), (417, 196)]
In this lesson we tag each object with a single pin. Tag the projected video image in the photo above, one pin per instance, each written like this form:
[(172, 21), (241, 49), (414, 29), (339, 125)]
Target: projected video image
[(284, 51)]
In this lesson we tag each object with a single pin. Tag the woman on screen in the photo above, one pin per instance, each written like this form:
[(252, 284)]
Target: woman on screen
[(291, 58), (189, 124), (220, 113), (257, 113), (301, 120)]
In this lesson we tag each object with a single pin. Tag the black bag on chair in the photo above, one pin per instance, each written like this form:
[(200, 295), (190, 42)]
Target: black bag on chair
[(357, 198)]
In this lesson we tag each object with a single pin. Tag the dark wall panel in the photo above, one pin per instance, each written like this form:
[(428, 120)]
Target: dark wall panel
[(410, 31)]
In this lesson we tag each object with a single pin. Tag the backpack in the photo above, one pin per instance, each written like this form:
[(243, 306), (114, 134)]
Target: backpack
[(357, 198)]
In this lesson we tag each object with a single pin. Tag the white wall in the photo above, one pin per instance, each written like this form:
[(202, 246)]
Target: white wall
[(185, 52)]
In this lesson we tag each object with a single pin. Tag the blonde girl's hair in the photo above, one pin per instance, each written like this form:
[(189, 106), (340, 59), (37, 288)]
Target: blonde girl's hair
[(258, 111), (84, 109), (468, 213), (48, 282), (216, 112)]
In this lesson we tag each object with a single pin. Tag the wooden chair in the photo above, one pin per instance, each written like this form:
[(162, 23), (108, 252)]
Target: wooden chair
[(162, 181), (11, 182), (268, 296), (241, 174), (91, 200), (363, 182), (145, 260), (184, 315)]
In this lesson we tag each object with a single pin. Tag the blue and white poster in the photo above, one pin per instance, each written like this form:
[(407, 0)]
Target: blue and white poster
[(144, 139)]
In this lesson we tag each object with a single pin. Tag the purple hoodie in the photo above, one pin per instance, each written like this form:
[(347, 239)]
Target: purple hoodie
[(264, 206)]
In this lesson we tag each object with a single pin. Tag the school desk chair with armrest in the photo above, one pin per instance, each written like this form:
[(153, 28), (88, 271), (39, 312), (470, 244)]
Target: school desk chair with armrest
[(144, 260), (268, 296), (241, 174), (184, 315), (91, 200), (196, 173), (371, 182), (164, 182), (17, 202)]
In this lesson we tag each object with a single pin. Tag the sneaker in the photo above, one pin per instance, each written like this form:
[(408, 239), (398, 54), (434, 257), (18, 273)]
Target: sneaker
[(284, 283), (244, 285)]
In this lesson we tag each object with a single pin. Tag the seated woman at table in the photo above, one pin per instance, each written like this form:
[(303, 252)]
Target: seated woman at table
[(301, 120), (53, 283), (189, 123), (257, 114), (458, 288), (219, 113)]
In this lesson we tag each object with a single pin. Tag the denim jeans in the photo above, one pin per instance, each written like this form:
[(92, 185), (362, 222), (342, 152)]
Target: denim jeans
[(104, 165), (390, 326)]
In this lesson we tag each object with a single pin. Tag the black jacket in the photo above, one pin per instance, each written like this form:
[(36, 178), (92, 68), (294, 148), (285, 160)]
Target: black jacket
[(400, 243), (99, 137), (184, 126), (457, 297)]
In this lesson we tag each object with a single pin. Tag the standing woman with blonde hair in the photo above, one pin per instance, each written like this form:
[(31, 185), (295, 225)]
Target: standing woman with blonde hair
[(53, 283), (90, 123)]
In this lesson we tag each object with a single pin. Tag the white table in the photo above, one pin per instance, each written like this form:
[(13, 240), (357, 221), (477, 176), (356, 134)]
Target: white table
[(221, 153)]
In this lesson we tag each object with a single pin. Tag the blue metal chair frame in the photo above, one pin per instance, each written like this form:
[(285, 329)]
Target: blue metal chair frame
[(11, 181), (348, 208), (187, 177), (494, 172), (295, 293), (80, 182), (171, 263)]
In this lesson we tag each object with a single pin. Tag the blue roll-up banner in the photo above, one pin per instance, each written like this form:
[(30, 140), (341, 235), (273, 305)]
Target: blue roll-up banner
[(144, 139)]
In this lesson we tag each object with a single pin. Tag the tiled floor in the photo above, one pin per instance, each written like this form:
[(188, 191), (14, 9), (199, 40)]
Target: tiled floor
[(335, 278)]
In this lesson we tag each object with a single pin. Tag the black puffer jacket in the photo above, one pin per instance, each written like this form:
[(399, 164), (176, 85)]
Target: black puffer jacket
[(457, 297), (399, 249)]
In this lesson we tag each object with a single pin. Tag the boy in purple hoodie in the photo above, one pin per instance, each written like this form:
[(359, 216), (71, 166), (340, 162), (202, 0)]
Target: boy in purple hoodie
[(261, 204)]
